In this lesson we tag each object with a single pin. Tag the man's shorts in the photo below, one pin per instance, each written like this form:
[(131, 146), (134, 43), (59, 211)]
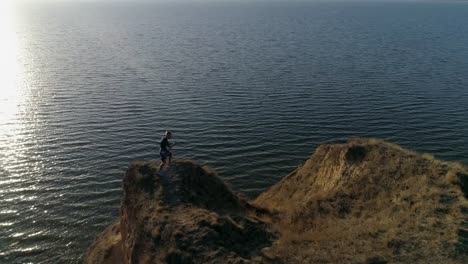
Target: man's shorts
[(164, 155)]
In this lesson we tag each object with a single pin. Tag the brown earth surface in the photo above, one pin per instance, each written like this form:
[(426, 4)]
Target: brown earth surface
[(364, 201)]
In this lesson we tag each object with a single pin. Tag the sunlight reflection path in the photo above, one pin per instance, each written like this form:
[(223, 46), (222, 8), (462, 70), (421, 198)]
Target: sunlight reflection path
[(9, 71), (13, 95)]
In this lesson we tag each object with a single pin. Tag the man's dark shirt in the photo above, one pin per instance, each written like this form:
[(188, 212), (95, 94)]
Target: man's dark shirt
[(165, 145)]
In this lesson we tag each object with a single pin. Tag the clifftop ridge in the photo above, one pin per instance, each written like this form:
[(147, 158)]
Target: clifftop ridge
[(363, 201)]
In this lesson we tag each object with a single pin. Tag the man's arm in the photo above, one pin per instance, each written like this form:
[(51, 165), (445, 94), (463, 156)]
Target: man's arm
[(171, 145)]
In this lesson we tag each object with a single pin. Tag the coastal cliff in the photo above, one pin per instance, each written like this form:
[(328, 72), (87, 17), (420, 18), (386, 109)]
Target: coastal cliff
[(364, 201), (184, 215)]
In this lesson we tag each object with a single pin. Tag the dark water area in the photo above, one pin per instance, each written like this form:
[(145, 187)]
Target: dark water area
[(249, 89)]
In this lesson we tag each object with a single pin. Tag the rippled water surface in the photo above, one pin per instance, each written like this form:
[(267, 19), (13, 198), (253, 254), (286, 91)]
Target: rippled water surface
[(250, 89)]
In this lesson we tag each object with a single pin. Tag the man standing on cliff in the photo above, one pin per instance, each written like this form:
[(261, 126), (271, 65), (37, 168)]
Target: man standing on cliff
[(165, 150)]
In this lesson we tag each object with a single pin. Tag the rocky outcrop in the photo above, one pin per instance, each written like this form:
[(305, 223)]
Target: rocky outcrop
[(364, 201), (182, 215)]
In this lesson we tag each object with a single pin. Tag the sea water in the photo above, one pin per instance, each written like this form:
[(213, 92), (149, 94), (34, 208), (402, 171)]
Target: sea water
[(250, 89)]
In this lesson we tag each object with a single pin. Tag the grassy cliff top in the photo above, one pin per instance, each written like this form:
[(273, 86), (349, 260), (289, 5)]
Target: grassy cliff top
[(363, 201)]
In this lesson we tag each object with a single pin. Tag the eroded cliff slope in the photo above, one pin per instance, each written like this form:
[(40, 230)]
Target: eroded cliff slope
[(182, 215), (364, 201)]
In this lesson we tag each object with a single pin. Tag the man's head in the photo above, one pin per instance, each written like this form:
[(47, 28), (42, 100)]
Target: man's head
[(168, 134)]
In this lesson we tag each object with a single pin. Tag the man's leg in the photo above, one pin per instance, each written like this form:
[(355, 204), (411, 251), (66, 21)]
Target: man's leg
[(161, 165), (163, 161)]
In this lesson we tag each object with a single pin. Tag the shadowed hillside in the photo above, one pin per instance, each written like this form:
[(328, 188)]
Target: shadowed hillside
[(366, 201)]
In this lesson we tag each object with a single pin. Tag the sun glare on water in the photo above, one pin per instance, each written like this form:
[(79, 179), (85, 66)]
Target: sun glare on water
[(9, 68)]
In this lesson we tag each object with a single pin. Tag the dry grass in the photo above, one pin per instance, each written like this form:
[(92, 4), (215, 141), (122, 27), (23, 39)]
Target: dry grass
[(365, 201), (390, 205), (107, 248)]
